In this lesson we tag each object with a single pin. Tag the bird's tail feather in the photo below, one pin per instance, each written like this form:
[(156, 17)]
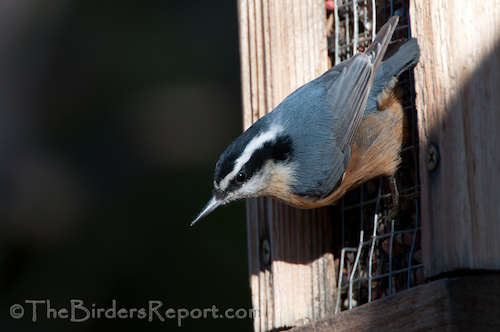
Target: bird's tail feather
[(400, 56)]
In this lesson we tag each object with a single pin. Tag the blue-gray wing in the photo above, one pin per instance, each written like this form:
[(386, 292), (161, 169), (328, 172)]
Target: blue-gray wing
[(349, 85)]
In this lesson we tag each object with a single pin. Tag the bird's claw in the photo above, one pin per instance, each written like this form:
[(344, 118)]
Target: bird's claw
[(397, 198)]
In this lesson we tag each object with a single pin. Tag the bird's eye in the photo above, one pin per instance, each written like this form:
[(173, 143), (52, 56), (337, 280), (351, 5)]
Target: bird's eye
[(241, 177)]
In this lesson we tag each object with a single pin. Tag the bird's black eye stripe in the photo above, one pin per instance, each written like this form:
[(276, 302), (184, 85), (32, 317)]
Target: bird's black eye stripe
[(277, 150), (227, 160), (281, 148)]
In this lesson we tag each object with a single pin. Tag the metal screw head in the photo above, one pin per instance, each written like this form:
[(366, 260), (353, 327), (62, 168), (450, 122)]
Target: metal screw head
[(432, 158), (266, 251)]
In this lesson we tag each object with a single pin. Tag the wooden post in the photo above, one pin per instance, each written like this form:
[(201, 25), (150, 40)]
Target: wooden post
[(283, 46), (457, 83)]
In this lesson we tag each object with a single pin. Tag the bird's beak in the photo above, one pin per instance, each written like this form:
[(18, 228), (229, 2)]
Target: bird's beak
[(212, 204)]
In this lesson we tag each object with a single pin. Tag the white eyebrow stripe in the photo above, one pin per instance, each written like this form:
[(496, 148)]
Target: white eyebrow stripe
[(255, 144)]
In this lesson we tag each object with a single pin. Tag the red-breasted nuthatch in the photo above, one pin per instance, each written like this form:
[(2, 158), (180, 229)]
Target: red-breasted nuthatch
[(327, 137)]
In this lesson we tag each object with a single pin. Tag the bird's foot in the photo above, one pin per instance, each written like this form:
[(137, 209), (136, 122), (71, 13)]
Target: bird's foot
[(397, 199)]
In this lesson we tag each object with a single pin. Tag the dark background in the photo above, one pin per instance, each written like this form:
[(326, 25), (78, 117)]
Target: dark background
[(112, 116)]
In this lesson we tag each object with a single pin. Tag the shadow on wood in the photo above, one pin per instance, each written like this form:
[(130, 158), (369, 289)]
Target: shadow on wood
[(458, 102)]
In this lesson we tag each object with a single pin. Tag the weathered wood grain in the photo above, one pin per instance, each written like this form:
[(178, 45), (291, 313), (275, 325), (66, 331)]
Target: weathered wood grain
[(457, 84), (469, 303), (283, 46)]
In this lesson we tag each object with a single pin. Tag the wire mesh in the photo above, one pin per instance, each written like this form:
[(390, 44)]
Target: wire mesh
[(377, 257), (353, 28)]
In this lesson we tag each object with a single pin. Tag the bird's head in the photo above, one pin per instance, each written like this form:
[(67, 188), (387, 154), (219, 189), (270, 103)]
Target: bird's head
[(258, 163)]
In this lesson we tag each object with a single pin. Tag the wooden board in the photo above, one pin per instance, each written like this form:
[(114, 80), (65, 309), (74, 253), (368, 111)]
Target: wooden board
[(283, 46), (457, 83), (469, 303)]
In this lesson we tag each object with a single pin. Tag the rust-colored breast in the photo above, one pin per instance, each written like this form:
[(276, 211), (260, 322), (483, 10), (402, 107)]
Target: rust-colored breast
[(375, 153)]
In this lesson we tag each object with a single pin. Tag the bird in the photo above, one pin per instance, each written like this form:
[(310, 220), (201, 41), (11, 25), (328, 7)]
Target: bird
[(327, 137)]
